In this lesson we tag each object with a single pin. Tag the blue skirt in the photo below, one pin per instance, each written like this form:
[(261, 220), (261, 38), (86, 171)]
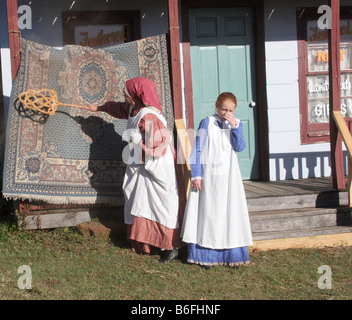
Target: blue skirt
[(211, 257)]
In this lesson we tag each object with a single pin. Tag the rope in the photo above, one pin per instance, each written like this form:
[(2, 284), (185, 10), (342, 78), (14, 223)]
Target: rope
[(18, 32)]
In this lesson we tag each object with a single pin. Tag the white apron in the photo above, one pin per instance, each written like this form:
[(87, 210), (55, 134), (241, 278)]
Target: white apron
[(150, 189), (217, 217)]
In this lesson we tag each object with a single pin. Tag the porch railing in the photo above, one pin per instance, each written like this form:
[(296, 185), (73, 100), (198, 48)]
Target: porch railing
[(347, 139)]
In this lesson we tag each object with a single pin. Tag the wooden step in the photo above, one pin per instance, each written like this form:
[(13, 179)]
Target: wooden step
[(320, 200), (299, 219), (332, 237), (309, 232), (304, 226)]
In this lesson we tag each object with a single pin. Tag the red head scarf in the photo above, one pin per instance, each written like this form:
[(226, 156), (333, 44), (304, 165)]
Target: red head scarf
[(144, 90)]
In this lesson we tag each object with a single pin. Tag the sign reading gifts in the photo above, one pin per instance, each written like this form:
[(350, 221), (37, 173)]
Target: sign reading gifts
[(98, 36), (318, 97), (318, 68)]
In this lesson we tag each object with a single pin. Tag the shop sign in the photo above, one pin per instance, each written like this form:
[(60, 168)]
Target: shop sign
[(318, 97), (318, 68), (316, 35), (318, 57), (98, 36)]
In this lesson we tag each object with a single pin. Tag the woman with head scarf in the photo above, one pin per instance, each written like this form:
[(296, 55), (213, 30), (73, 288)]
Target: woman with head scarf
[(150, 185)]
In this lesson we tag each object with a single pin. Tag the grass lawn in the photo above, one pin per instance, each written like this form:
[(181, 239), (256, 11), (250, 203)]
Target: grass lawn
[(66, 266)]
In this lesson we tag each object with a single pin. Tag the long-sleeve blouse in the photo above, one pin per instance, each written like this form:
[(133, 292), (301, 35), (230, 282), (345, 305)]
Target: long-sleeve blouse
[(155, 135), (236, 138)]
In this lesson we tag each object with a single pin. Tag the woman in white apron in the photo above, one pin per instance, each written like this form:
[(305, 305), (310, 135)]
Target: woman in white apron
[(216, 222), (150, 185)]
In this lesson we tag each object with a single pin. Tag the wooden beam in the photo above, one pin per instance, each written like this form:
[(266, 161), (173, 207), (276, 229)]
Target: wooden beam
[(262, 107), (345, 132), (14, 36), (337, 167), (55, 220), (186, 148), (347, 139), (174, 31), (349, 179), (187, 71)]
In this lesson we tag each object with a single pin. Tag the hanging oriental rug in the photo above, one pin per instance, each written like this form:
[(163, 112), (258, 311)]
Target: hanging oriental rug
[(75, 156)]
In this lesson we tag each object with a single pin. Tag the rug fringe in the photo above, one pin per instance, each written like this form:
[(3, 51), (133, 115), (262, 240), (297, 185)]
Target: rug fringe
[(66, 199)]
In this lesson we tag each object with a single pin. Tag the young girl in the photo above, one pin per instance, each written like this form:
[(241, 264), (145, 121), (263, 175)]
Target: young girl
[(216, 222), (150, 184)]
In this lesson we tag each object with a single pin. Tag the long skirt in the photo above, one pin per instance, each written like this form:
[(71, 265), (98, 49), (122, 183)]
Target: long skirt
[(211, 257), (144, 233)]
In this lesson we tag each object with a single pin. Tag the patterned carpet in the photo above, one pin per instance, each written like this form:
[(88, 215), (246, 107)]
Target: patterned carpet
[(74, 156)]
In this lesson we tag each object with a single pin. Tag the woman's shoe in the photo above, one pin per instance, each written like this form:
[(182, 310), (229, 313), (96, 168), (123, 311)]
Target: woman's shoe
[(169, 255)]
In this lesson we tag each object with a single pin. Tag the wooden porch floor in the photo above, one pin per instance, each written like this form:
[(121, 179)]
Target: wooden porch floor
[(298, 213), (262, 189)]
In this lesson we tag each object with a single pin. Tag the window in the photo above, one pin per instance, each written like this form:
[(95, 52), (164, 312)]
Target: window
[(100, 28), (314, 73)]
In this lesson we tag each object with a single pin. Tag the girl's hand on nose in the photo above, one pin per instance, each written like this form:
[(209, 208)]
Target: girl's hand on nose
[(230, 118)]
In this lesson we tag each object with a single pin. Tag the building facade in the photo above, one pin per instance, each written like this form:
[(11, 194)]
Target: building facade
[(272, 54)]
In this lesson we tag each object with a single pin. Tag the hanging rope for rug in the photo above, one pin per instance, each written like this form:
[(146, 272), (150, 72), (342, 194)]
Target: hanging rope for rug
[(44, 101)]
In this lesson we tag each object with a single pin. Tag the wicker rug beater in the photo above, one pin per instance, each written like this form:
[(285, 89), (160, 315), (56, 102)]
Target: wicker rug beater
[(44, 101)]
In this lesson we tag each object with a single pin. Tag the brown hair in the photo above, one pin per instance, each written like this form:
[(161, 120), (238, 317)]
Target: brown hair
[(224, 96)]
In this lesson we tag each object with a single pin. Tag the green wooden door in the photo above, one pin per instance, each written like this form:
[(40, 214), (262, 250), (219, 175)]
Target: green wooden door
[(222, 59)]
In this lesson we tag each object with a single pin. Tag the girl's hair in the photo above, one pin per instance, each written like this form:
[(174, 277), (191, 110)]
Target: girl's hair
[(224, 96)]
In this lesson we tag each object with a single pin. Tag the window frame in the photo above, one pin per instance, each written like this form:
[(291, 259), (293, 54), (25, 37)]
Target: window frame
[(129, 18), (311, 132)]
